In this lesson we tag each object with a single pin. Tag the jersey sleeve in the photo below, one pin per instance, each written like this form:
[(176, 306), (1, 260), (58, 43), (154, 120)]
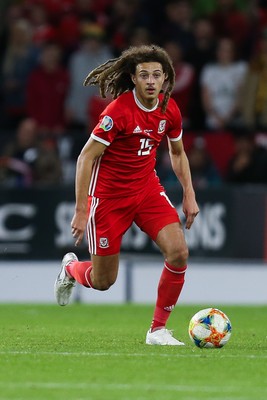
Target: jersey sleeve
[(110, 123), (175, 131)]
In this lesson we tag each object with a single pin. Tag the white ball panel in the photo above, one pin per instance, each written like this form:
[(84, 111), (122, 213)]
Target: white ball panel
[(201, 332), (219, 322)]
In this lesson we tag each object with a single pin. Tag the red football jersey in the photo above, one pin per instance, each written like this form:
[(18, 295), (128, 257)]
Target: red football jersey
[(132, 134)]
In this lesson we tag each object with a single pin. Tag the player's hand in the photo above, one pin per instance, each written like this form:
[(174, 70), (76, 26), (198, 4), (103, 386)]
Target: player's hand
[(78, 226), (190, 209), (190, 219)]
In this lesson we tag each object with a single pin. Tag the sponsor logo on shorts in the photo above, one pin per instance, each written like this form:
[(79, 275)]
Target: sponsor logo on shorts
[(103, 243), (106, 123), (162, 125)]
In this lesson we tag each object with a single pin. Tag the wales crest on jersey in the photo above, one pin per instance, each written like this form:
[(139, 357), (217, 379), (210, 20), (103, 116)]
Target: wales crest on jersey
[(162, 125)]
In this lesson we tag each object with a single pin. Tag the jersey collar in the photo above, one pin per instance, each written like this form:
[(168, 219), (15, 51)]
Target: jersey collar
[(140, 105)]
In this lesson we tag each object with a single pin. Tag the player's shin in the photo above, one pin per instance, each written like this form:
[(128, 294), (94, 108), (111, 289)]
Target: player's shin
[(170, 286)]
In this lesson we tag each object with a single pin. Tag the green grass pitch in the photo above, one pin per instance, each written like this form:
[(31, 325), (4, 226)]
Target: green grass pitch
[(84, 352)]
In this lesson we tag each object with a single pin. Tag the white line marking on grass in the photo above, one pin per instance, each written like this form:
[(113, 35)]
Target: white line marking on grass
[(204, 354), (121, 386)]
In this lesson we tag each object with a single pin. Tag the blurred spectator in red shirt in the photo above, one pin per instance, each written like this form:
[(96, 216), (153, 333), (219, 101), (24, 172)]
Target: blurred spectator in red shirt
[(55, 8), (229, 21), (68, 34), (70, 21), (184, 80), (47, 90), (43, 30)]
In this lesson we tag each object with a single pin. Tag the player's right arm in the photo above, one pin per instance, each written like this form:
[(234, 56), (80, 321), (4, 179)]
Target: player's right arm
[(90, 152), (181, 168)]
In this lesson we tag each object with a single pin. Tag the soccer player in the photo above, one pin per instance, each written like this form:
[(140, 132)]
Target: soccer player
[(116, 183)]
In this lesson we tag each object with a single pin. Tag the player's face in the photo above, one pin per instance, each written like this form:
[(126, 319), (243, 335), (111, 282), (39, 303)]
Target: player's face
[(148, 80)]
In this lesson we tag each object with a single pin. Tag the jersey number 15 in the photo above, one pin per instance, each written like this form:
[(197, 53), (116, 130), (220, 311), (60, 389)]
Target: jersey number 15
[(146, 146)]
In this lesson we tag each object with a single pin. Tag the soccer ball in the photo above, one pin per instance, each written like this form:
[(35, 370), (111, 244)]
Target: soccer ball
[(210, 328)]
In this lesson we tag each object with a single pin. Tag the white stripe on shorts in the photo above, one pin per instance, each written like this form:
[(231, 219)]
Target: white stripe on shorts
[(95, 170), (91, 227)]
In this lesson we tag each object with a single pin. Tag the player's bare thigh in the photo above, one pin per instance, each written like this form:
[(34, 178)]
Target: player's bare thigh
[(105, 271), (172, 244)]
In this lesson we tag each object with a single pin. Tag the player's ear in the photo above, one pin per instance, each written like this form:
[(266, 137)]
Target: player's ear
[(133, 78)]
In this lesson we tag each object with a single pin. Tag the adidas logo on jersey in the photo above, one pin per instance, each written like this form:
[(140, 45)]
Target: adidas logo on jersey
[(137, 129)]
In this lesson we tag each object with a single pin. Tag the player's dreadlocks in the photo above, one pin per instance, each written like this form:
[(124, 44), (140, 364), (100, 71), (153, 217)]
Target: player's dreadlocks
[(114, 76)]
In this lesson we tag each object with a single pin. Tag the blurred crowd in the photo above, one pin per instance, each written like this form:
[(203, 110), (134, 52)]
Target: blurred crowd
[(219, 52)]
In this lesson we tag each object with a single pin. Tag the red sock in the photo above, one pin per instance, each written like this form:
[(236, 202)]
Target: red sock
[(80, 271), (170, 286)]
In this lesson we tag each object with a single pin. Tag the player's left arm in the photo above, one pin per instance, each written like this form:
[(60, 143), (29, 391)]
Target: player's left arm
[(180, 166)]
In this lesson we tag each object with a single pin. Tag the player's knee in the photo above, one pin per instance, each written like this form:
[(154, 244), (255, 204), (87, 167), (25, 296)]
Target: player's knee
[(178, 257), (103, 285)]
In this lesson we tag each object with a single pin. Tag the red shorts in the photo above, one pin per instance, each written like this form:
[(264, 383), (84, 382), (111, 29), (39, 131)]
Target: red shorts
[(109, 219)]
